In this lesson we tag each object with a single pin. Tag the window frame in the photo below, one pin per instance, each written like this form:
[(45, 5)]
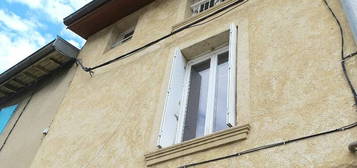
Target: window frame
[(200, 7), (121, 39), (169, 128), (210, 116)]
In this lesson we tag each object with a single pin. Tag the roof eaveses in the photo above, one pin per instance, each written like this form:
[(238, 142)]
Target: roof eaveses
[(99, 14), (44, 61)]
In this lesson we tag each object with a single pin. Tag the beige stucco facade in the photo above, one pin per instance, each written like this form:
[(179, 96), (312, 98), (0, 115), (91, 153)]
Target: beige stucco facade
[(289, 84), (36, 109)]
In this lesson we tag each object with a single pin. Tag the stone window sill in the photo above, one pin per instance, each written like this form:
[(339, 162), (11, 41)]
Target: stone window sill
[(199, 144), (201, 15)]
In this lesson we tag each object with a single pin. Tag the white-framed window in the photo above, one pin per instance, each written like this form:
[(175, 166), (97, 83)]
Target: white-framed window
[(124, 36), (205, 96), (201, 96), (202, 5)]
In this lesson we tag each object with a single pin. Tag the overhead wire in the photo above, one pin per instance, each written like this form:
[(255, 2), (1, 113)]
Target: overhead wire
[(198, 23), (343, 58), (220, 15), (350, 126), (349, 56), (256, 149), (90, 70)]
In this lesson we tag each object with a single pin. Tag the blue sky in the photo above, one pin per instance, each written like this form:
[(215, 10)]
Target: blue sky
[(27, 25)]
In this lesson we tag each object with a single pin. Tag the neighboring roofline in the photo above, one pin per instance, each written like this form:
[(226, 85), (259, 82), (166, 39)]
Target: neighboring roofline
[(59, 44), (88, 8)]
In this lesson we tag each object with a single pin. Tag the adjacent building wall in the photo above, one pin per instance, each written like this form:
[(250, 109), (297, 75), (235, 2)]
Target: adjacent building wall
[(295, 83), (36, 110)]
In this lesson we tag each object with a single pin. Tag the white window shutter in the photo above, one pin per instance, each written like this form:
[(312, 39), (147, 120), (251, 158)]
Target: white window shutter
[(169, 120), (231, 113)]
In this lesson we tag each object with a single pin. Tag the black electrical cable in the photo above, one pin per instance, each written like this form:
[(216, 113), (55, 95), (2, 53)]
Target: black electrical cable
[(343, 63), (347, 127), (18, 118), (349, 56), (220, 14), (79, 62), (343, 58), (90, 69)]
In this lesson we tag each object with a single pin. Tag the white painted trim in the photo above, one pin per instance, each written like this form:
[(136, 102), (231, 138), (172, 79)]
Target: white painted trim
[(183, 106), (209, 122), (159, 139), (231, 114), (163, 127)]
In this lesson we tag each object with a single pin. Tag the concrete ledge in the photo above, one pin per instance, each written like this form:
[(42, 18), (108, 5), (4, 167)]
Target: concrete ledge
[(203, 14), (199, 144)]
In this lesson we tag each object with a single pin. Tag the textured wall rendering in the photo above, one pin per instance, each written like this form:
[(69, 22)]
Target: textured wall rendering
[(294, 87)]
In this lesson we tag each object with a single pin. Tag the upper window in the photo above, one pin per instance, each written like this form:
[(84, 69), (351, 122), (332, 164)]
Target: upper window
[(123, 37), (123, 30), (202, 5), (5, 115), (201, 93)]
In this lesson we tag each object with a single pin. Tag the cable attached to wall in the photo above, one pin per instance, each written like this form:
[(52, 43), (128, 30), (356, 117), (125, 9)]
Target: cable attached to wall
[(349, 56), (90, 70), (343, 64), (343, 58), (344, 128), (18, 118), (197, 23)]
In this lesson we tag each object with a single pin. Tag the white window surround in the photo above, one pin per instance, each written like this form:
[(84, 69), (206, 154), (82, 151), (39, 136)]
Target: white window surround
[(217, 139), (172, 124), (186, 16), (203, 5), (209, 120)]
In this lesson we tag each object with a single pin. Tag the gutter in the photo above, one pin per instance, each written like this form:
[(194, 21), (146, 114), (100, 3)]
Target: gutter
[(88, 8)]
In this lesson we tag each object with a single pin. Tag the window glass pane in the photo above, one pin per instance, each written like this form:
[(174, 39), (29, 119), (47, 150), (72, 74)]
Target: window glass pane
[(197, 101), (5, 115), (202, 7), (206, 5), (211, 3), (221, 98)]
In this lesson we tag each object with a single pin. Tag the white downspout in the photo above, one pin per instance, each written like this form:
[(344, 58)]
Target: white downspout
[(350, 9)]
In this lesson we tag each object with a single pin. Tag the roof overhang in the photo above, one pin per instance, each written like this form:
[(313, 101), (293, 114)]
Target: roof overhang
[(99, 14), (50, 58)]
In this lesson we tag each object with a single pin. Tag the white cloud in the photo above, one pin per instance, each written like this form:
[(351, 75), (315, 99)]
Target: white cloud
[(15, 49), (55, 9), (30, 3), (76, 4), (68, 33), (18, 39), (14, 22)]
